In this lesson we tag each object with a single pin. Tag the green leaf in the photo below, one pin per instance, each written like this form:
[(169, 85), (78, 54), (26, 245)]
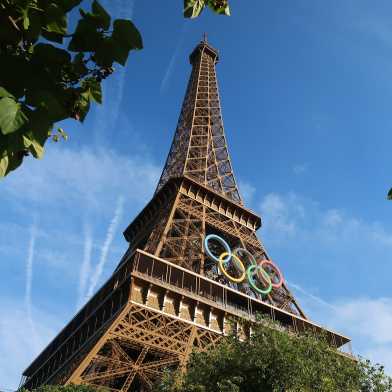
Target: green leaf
[(193, 8), (9, 161), (56, 19), (4, 162), (5, 93), (100, 13), (11, 116), (96, 91), (118, 52), (54, 37), (125, 37), (47, 56), (37, 133), (83, 106), (92, 89), (78, 64), (19, 73), (35, 25), (126, 34), (62, 133), (219, 6), (26, 20), (34, 146), (86, 37), (105, 53), (390, 194), (68, 5), (49, 102)]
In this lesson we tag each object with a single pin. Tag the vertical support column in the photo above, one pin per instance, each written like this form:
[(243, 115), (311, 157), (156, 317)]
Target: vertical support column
[(167, 226)]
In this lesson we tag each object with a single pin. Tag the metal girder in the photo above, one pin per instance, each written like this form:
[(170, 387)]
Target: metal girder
[(147, 342)]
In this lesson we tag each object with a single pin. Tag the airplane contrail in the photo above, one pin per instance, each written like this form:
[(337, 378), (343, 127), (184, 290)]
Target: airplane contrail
[(106, 246), (85, 267), (29, 283)]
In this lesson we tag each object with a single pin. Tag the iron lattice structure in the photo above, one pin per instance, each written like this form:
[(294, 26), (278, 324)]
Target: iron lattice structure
[(165, 297)]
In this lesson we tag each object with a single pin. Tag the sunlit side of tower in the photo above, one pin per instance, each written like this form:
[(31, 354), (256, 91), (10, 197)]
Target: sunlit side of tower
[(181, 279)]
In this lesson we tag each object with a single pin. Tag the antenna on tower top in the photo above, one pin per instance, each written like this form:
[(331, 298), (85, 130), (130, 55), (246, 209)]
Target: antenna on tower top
[(205, 37)]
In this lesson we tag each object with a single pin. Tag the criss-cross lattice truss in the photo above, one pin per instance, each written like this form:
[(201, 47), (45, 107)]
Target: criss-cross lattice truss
[(199, 149), (166, 297)]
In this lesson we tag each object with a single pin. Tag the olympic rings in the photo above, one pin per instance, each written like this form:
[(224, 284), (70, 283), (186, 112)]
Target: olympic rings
[(250, 270), (253, 283), (222, 268), (223, 243), (277, 272), (246, 251)]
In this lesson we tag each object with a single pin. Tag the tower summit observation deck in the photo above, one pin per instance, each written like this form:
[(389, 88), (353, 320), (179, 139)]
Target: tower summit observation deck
[(193, 263)]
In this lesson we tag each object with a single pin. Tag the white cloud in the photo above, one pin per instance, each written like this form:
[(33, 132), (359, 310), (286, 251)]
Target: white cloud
[(66, 176), (281, 215), (367, 321), (289, 216), (107, 115), (247, 191), (68, 188), (344, 257), (170, 67), (85, 267), (16, 346)]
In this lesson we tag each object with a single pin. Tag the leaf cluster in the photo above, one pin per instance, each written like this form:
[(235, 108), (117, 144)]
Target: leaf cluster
[(193, 8), (275, 361), (48, 74)]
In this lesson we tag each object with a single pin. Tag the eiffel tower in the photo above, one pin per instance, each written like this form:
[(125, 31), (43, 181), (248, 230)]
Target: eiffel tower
[(179, 282)]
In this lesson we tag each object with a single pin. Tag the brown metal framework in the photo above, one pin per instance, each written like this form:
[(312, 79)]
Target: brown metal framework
[(165, 297)]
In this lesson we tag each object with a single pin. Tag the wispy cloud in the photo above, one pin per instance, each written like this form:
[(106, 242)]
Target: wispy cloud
[(170, 67), (247, 191), (367, 321), (88, 177), (341, 256), (69, 187), (311, 296), (107, 115), (29, 283), (281, 214), (17, 348), (106, 246), (85, 268), (292, 216)]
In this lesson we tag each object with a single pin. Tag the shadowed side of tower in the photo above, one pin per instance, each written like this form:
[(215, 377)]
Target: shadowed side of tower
[(168, 295)]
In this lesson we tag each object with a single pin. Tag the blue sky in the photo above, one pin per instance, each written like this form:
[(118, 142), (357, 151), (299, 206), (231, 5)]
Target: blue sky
[(306, 90)]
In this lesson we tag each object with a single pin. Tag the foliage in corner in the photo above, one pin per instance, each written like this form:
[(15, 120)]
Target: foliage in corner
[(274, 361), (48, 74), (193, 8), (390, 194)]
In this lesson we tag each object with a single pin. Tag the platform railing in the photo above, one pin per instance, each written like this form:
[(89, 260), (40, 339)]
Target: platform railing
[(217, 294)]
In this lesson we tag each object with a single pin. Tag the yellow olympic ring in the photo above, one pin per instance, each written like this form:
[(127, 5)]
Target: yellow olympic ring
[(240, 264)]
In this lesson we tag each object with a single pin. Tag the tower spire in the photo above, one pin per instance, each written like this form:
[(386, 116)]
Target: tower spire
[(199, 149)]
